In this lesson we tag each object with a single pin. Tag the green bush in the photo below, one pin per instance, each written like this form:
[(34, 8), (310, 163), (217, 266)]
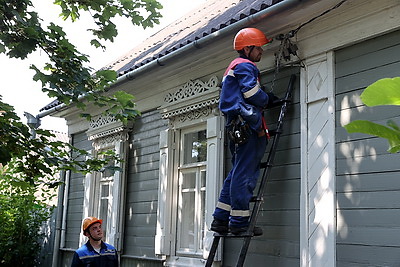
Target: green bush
[(21, 216)]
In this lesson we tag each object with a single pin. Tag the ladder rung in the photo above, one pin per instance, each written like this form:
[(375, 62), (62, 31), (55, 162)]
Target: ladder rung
[(274, 132), (264, 165), (230, 235), (256, 199)]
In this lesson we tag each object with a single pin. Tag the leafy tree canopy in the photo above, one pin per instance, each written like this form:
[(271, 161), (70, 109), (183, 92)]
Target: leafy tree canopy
[(28, 164), (65, 76)]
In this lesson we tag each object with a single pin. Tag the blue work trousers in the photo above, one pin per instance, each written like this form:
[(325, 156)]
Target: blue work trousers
[(234, 200)]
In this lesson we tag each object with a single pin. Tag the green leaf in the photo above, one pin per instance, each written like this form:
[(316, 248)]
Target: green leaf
[(367, 127), (109, 75), (124, 98), (96, 43), (382, 92)]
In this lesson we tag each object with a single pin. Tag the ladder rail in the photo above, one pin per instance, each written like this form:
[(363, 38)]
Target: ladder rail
[(261, 189)]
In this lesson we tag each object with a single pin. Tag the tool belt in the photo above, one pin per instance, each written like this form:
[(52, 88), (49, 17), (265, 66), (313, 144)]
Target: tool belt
[(238, 130)]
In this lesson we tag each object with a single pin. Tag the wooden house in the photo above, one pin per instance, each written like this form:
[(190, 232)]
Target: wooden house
[(333, 197)]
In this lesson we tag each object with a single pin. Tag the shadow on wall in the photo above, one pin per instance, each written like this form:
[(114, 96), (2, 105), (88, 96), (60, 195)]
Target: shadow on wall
[(367, 188)]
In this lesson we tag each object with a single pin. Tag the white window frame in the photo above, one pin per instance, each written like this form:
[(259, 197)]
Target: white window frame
[(99, 181), (168, 190), (192, 104), (196, 169)]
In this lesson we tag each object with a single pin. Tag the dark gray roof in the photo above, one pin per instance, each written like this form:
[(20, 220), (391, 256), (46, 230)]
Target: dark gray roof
[(210, 17)]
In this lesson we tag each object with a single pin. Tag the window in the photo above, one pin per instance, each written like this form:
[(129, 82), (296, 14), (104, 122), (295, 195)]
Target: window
[(103, 199), (103, 190), (191, 173), (191, 196)]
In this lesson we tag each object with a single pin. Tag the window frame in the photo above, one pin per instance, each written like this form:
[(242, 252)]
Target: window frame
[(116, 141), (214, 167), (196, 168)]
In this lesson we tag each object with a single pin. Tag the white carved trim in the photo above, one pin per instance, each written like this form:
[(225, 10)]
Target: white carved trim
[(100, 121), (193, 100), (109, 139), (191, 89), (106, 133), (106, 129)]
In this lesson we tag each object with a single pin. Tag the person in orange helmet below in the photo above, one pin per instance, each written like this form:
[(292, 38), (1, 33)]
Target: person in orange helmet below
[(242, 101), (95, 252)]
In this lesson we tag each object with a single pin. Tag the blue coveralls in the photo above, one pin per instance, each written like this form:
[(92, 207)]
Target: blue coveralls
[(242, 95), (87, 256)]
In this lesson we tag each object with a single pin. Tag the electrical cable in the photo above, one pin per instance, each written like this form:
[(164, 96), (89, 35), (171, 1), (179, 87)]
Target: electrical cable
[(287, 48), (294, 32)]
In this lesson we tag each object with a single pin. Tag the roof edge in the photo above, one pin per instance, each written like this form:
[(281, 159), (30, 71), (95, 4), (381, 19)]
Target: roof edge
[(200, 43)]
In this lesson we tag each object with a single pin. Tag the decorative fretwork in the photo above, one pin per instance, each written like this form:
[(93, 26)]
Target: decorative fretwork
[(193, 100), (190, 89), (195, 114), (197, 108), (100, 121), (105, 131), (109, 140)]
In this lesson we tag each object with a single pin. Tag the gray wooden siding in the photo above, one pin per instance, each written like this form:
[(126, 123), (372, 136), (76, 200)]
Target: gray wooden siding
[(142, 187), (368, 177), (75, 197), (280, 214)]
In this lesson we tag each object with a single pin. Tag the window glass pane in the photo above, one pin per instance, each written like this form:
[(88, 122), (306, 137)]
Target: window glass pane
[(202, 219), (103, 214), (187, 225), (202, 208), (109, 169), (203, 179), (194, 147), (104, 190), (188, 181)]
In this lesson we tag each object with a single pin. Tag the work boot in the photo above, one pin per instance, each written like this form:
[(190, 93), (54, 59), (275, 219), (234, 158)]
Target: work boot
[(257, 231), (220, 226)]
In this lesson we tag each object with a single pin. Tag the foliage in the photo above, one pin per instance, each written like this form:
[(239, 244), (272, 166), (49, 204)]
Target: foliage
[(21, 216), (37, 158), (65, 75), (28, 166), (382, 92)]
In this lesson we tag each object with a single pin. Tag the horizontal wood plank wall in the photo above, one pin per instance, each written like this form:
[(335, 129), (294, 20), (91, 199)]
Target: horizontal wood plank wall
[(142, 187), (75, 197), (368, 177), (279, 217)]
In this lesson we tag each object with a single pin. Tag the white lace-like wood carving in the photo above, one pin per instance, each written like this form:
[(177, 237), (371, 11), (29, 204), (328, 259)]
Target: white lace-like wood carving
[(109, 140), (195, 114), (191, 101), (100, 121), (190, 89), (105, 131)]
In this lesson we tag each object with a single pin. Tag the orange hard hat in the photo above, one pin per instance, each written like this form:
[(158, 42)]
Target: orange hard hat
[(88, 221), (249, 37)]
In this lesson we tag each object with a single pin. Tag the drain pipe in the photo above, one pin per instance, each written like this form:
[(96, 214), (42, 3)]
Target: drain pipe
[(59, 216), (198, 44)]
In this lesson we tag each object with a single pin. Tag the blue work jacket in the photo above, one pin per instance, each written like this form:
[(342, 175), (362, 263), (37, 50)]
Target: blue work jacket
[(242, 93), (87, 256)]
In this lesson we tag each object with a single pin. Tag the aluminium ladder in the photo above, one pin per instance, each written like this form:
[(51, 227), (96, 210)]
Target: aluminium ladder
[(257, 199)]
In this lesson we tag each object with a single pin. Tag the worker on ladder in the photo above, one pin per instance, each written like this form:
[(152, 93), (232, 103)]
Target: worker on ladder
[(242, 102)]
